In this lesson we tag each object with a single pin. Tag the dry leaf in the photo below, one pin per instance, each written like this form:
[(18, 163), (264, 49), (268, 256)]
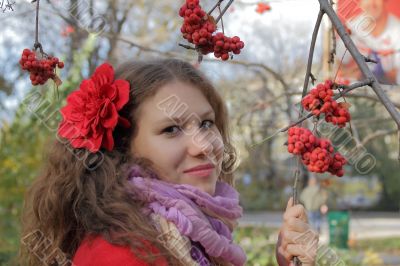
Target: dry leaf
[(57, 80), (345, 105), (211, 19)]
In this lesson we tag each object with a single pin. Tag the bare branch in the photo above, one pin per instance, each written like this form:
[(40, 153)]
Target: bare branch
[(310, 57), (275, 74), (353, 86), (333, 49), (377, 134), (222, 21), (342, 93), (398, 157), (118, 26), (37, 43), (215, 6), (224, 10), (326, 7), (187, 46)]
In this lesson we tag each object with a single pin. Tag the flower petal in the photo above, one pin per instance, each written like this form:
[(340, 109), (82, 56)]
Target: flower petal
[(123, 93), (87, 88), (103, 74), (76, 98), (109, 116), (91, 112), (66, 111), (124, 122), (109, 91), (108, 140)]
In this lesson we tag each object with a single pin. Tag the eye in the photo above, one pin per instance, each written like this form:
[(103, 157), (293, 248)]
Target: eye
[(208, 123), (172, 130)]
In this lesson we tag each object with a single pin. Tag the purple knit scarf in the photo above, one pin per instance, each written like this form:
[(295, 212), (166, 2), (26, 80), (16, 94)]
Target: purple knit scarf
[(205, 219)]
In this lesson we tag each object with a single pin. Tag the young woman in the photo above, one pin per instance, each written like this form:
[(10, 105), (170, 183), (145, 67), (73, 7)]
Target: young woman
[(141, 173)]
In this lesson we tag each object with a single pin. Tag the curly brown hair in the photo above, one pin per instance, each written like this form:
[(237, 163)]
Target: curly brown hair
[(79, 193)]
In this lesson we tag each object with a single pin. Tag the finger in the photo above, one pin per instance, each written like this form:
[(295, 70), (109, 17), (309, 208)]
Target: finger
[(288, 237), (290, 203), (306, 253), (296, 224), (286, 255), (297, 211), (304, 238)]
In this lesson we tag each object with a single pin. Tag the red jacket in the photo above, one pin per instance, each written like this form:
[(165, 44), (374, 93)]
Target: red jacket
[(99, 252)]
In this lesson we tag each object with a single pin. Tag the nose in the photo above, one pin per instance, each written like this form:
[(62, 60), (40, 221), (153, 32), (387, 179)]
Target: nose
[(200, 144)]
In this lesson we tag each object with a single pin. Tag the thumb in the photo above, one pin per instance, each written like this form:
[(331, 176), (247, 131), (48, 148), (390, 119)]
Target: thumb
[(290, 203)]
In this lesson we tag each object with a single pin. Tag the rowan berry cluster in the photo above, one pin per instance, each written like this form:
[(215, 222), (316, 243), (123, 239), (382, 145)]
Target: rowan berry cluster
[(224, 45), (41, 69), (316, 153), (320, 101), (199, 28)]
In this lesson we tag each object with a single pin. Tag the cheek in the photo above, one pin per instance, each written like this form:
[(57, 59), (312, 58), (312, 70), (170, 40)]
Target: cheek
[(161, 153), (218, 149), (166, 158)]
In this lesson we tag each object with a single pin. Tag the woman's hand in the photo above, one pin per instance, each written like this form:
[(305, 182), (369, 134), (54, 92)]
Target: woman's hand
[(296, 238)]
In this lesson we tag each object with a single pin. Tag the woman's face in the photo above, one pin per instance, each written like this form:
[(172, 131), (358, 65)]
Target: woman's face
[(177, 132)]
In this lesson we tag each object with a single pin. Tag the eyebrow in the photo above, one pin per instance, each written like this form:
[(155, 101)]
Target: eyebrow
[(180, 120)]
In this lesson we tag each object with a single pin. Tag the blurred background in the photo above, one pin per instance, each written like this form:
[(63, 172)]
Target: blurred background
[(358, 214)]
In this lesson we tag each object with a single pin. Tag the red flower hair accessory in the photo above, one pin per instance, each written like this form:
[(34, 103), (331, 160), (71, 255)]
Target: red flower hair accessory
[(91, 113)]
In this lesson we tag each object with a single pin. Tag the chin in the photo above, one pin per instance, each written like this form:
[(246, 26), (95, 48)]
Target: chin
[(207, 185), (208, 188)]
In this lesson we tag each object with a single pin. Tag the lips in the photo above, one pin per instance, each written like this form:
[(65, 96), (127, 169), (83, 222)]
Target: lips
[(203, 167)]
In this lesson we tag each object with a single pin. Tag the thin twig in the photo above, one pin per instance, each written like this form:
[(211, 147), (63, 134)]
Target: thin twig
[(346, 90), (223, 11), (340, 89), (296, 180), (313, 78), (37, 43), (187, 46), (376, 134), (266, 68), (310, 57), (353, 95), (358, 57), (340, 65), (398, 137), (222, 21), (296, 260), (333, 49), (215, 6)]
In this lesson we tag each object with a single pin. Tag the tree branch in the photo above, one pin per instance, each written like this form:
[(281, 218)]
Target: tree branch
[(296, 260), (342, 93), (376, 134), (359, 58), (310, 58), (215, 6), (223, 11)]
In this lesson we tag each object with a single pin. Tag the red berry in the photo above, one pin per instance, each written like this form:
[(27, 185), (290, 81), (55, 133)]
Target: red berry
[(225, 57), (317, 154), (40, 69)]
